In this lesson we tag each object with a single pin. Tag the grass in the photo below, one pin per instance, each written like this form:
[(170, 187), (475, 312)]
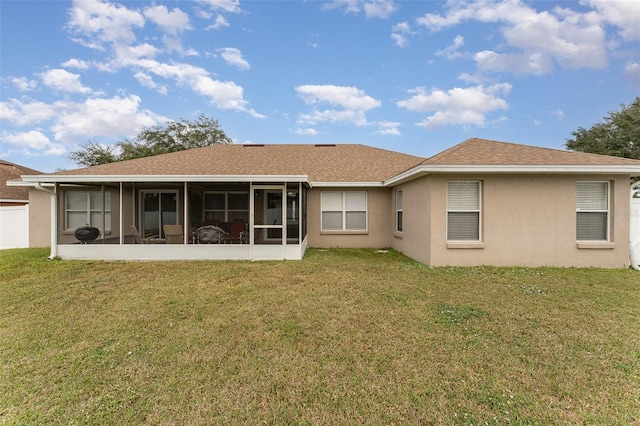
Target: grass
[(341, 337)]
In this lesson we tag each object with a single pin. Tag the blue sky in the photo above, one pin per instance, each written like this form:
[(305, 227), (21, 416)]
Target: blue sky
[(410, 76)]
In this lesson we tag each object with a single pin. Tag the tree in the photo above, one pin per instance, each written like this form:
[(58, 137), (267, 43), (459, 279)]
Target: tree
[(619, 135), (93, 154), (159, 139)]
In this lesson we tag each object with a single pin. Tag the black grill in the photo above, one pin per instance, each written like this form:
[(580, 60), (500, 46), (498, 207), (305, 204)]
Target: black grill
[(86, 234)]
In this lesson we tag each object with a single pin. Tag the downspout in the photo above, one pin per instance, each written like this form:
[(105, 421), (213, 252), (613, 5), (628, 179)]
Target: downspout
[(634, 250), (54, 218), (633, 257)]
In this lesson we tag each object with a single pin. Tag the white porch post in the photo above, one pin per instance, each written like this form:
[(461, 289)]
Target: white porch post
[(186, 213), (121, 216), (54, 222)]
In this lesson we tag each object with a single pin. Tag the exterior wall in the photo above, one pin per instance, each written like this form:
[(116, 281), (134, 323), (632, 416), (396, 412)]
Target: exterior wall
[(530, 220), (39, 218), (380, 224), (413, 241)]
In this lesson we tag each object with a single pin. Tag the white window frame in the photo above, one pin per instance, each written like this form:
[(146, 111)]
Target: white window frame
[(228, 213), (606, 210), (87, 210), (344, 211), (399, 211), (478, 210)]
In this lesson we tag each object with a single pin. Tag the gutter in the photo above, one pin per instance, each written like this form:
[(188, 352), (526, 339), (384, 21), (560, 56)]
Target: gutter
[(54, 223)]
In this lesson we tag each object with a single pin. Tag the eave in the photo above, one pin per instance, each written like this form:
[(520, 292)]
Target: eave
[(426, 169), (29, 179)]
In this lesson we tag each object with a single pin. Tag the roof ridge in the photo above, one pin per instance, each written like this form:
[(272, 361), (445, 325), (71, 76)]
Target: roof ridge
[(448, 151)]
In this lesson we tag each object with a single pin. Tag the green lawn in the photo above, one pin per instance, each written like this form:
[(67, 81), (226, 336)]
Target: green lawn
[(341, 337)]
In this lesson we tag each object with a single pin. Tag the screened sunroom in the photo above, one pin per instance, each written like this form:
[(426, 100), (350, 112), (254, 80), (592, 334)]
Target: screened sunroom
[(254, 219)]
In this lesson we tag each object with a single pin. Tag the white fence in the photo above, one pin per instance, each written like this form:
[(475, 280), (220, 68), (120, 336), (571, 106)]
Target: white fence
[(634, 230), (14, 227)]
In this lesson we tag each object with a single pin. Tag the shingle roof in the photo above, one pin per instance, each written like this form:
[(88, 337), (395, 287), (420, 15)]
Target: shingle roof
[(487, 152), (321, 163), (9, 171)]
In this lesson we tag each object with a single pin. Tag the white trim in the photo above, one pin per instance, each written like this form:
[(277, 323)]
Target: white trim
[(399, 210), (607, 211), (7, 200), (348, 184), (478, 210), (161, 178), (344, 212), (425, 169)]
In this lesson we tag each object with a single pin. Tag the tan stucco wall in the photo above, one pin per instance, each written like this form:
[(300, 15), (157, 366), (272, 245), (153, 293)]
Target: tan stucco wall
[(416, 220), (380, 223), (39, 218), (530, 220)]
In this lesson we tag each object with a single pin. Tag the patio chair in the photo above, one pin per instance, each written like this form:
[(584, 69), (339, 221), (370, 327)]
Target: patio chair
[(147, 239), (210, 235), (173, 234), (237, 229)]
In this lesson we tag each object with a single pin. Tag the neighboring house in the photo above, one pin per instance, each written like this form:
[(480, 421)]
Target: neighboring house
[(479, 203), (14, 207)]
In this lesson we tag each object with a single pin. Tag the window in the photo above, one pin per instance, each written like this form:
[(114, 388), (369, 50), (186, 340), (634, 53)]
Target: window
[(399, 210), (344, 211), (592, 211), (463, 211), (226, 206), (84, 208)]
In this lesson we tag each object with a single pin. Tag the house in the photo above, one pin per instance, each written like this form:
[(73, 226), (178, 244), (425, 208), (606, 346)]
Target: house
[(480, 202), (14, 207)]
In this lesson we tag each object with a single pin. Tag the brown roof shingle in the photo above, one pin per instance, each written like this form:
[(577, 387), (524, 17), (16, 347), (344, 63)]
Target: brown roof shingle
[(487, 152), (9, 171), (321, 163)]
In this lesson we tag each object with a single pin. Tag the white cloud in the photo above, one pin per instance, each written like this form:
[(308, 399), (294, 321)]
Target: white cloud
[(463, 106), (400, 33), (33, 140), (96, 117), (347, 97), (451, 52), (558, 113), (357, 118), (99, 22), (306, 131), (231, 6), (64, 81), (624, 14), (233, 56), (145, 80), (24, 84), (632, 73), (24, 114), (172, 23), (76, 63), (353, 101), (533, 63), (219, 7), (388, 128), (224, 94), (219, 22), (382, 9), (569, 38)]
